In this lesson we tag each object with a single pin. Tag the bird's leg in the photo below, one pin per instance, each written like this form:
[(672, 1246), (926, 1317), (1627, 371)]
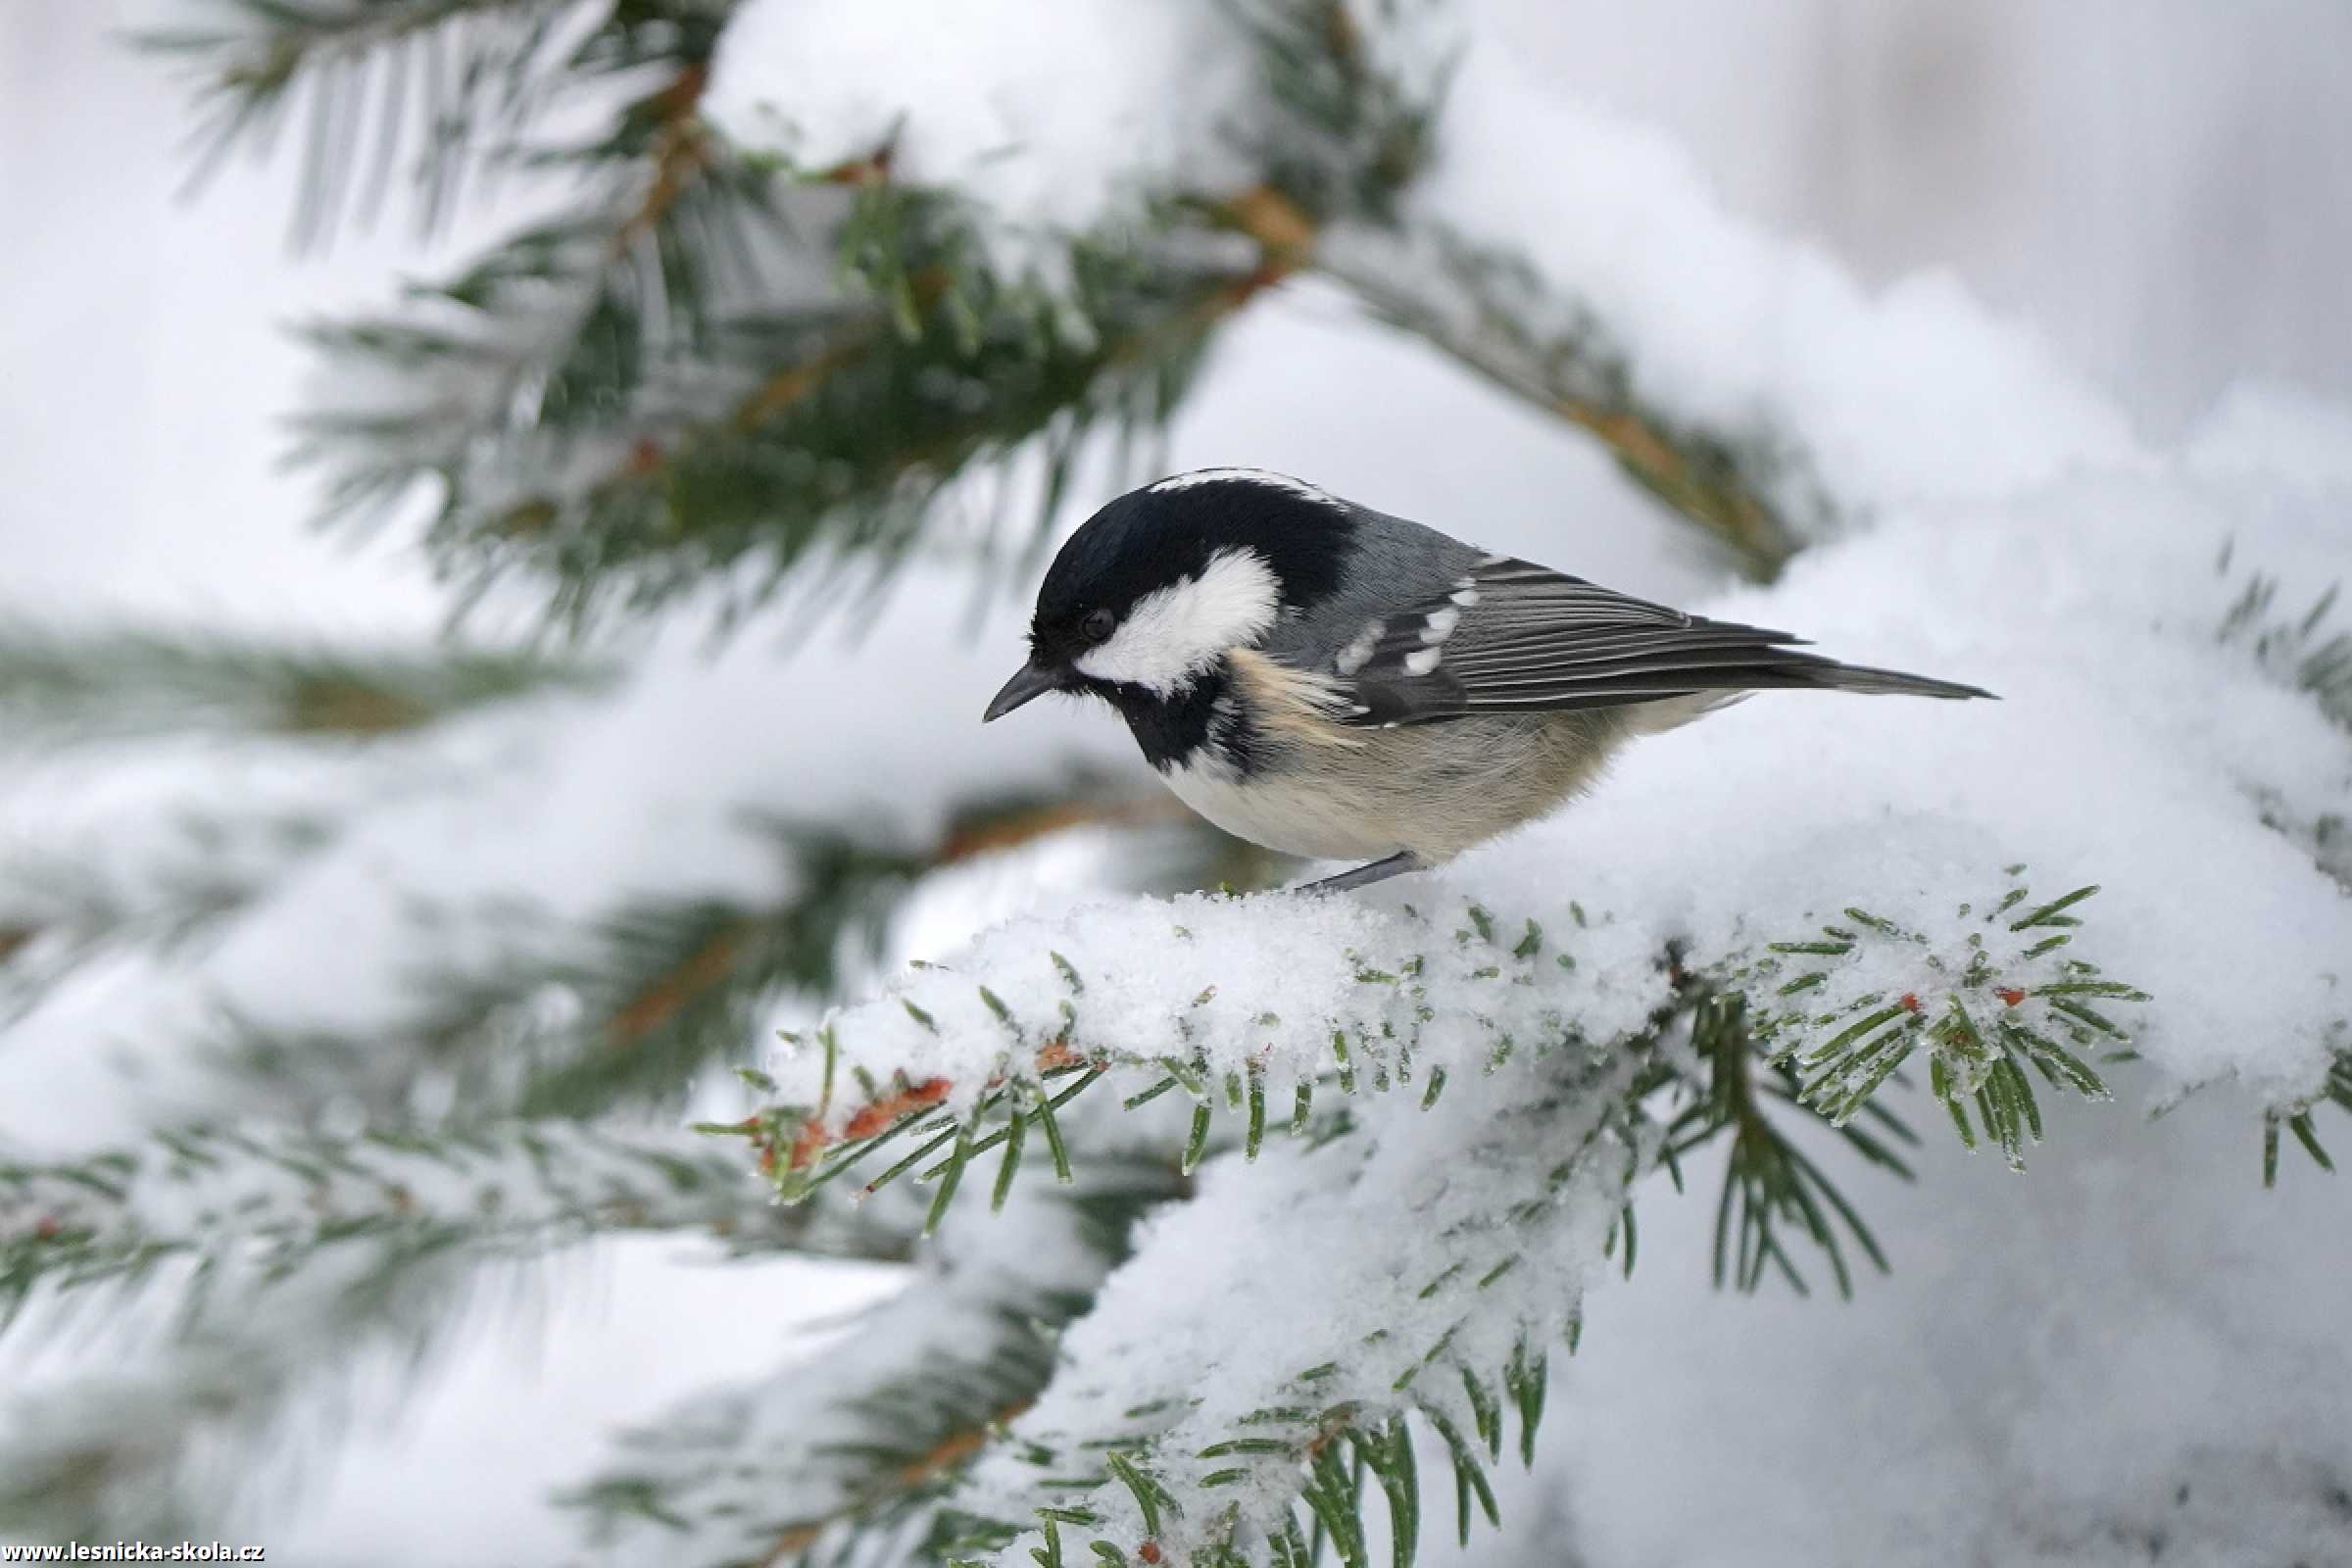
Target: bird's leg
[(1365, 876)]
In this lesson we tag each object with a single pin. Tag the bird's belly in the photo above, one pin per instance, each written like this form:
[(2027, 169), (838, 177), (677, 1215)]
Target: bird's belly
[(1433, 788), (1297, 814)]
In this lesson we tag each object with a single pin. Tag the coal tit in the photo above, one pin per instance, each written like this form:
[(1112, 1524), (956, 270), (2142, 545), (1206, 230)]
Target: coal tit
[(1330, 681)]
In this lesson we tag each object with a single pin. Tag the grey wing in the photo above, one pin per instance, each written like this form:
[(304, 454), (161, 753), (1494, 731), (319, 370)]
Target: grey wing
[(1510, 637)]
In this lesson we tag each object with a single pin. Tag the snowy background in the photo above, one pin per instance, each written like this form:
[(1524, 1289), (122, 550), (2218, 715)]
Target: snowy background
[(2157, 193)]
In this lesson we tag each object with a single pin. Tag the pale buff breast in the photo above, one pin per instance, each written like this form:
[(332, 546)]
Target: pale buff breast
[(1432, 789)]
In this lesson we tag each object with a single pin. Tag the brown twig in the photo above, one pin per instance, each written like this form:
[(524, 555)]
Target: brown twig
[(681, 151), (949, 1451), (705, 967)]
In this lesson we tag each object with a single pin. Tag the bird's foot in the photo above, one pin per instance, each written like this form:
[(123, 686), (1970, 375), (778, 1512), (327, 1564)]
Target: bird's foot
[(1365, 876)]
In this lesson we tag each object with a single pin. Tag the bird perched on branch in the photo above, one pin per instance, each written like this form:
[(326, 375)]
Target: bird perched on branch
[(1332, 681)]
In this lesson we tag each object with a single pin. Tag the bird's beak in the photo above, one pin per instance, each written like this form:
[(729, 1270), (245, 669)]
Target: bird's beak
[(1032, 680)]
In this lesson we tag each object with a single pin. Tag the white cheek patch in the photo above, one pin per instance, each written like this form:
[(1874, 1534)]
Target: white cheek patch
[(1174, 634)]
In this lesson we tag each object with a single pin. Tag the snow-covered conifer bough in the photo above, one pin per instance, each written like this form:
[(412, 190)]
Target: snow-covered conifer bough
[(1332, 681)]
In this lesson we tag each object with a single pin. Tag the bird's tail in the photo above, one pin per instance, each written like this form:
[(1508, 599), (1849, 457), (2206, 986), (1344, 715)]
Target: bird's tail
[(1829, 675), (1784, 668)]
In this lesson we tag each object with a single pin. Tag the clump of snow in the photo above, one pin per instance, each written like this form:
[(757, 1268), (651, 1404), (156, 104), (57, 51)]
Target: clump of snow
[(2129, 751), (1919, 394), (2133, 1355), (1373, 1273), (1054, 115), (2265, 435), (1241, 988)]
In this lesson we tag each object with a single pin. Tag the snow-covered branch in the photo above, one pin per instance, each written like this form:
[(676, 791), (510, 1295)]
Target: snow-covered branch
[(1421, 1268), (860, 1445), (59, 686), (242, 1209)]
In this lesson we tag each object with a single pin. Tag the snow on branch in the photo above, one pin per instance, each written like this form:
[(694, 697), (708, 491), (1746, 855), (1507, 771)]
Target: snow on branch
[(815, 282), (1611, 239), (1748, 488), (2308, 653), (1445, 1111), (857, 1443), (1246, 1005), (2295, 1117), (251, 1267), (58, 685), (243, 1209), (2004, 998), (569, 906), (1829, 893), (534, 1015), (452, 84), (774, 365), (1418, 1270), (65, 904), (1251, 1008)]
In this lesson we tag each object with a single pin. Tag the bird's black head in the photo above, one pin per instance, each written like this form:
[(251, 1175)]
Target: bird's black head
[(1153, 590)]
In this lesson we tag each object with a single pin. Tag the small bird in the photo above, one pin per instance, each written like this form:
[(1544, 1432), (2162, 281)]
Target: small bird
[(1335, 682)]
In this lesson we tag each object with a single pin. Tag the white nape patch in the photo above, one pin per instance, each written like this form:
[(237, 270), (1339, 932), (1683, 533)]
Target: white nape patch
[(1358, 653), (1422, 663), (1440, 625), (1174, 634), (1257, 476)]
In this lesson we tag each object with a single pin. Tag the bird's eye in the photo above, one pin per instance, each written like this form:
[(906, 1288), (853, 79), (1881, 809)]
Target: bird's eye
[(1098, 625)]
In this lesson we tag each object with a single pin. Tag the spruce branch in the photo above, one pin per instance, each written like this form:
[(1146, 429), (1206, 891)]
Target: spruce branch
[(246, 1207), (2297, 648), (954, 1060), (974, 1063), (2301, 652), (1770, 1188), (537, 1019), (717, 358), (2334, 1090), (1356, 104), (704, 392), (455, 84), (720, 358), (2000, 999), (281, 1256), (1139, 1452), (60, 908), (832, 1455), (375, 1257), (60, 686), (959, 1058), (1480, 305), (1492, 313)]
